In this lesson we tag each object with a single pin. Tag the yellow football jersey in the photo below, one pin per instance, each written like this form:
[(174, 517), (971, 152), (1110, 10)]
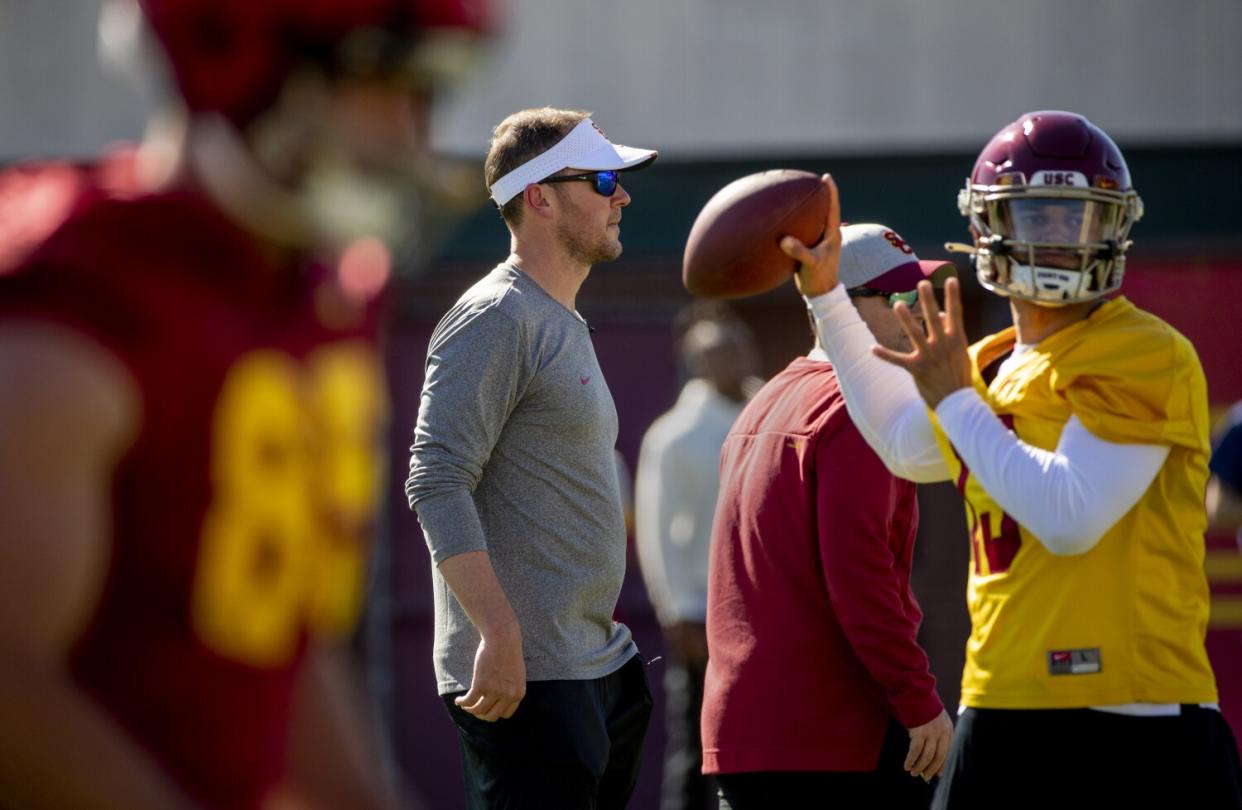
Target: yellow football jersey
[(1125, 621)]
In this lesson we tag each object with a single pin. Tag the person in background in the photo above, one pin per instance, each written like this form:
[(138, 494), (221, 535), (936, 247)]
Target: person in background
[(1224, 487), (675, 492), (192, 409), (818, 693), (514, 479)]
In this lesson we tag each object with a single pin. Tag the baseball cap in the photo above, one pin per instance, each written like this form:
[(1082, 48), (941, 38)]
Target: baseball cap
[(876, 257), (585, 148)]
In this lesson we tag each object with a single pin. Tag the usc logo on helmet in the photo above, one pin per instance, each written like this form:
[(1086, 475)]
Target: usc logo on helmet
[(1059, 178)]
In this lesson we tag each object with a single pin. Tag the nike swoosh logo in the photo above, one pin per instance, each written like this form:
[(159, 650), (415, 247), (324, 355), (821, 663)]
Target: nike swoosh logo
[(584, 380)]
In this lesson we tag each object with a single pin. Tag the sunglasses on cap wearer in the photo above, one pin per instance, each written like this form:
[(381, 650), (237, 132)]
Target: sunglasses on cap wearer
[(910, 298), (604, 182)]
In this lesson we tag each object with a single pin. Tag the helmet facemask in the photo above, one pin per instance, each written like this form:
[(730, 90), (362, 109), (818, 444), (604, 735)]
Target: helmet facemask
[(1051, 239)]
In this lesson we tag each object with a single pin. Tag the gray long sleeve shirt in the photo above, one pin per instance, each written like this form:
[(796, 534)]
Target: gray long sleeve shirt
[(513, 454)]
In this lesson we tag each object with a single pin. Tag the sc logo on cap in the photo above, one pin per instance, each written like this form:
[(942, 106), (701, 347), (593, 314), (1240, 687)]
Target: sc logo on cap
[(899, 243)]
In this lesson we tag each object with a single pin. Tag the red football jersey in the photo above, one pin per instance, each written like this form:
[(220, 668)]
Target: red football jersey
[(240, 512)]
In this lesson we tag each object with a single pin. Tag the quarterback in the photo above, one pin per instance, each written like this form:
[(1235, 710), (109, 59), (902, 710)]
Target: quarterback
[(1079, 441)]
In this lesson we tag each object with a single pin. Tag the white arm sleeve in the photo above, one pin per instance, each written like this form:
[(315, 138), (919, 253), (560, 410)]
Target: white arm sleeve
[(882, 399), (1068, 498)]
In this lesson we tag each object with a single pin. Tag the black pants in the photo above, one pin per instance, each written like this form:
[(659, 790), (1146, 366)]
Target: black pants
[(1045, 758), (888, 787), (571, 745), (685, 787)]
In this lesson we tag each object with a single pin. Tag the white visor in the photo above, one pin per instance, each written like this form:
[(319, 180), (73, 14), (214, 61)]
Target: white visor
[(585, 147)]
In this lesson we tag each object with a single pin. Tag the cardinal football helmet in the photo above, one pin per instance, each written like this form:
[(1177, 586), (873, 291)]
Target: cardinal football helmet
[(1051, 206)]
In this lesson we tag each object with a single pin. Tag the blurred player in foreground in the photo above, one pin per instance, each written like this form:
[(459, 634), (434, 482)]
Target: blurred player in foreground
[(514, 479), (809, 593), (191, 411), (1079, 439)]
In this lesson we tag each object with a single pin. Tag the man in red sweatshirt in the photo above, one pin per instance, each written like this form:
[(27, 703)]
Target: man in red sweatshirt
[(816, 687)]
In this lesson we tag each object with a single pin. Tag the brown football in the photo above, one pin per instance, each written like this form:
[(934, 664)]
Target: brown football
[(734, 247)]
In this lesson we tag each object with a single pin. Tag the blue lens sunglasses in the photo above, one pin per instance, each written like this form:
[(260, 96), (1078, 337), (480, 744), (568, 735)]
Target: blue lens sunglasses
[(604, 183)]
